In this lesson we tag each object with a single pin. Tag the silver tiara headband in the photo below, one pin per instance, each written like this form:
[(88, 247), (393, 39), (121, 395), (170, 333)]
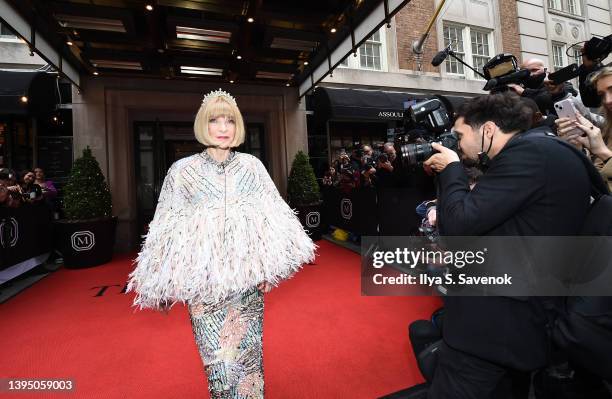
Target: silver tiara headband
[(219, 93)]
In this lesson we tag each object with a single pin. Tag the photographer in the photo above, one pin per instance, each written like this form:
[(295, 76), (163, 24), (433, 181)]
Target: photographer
[(385, 176), (368, 166), (593, 53), (543, 92), (532, 186)]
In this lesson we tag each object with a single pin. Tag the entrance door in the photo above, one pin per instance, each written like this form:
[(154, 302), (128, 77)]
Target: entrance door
[(158, 145)]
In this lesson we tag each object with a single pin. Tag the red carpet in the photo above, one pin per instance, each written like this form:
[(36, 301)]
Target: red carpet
[(322, 339)]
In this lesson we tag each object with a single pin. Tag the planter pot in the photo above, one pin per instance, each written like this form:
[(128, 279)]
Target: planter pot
[(85, 243), (310, 217)]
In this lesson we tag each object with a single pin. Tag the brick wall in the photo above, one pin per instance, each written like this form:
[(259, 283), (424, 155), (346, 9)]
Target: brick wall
[(411, 22), (509, 28)]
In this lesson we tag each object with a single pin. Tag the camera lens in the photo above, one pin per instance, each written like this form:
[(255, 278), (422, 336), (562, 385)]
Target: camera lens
[(414, 154)]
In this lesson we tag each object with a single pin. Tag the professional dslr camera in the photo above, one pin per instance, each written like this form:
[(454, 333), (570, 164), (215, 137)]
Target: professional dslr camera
[(433, 116), (502, 70), (595, 49)]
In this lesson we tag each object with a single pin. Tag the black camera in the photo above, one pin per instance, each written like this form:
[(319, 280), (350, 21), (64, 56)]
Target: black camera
[(597, 49), (417, 153), (382, 158), (502, 70), (435, 116)]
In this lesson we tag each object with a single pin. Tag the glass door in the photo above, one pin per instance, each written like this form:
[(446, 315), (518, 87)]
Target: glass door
[(158, 145)]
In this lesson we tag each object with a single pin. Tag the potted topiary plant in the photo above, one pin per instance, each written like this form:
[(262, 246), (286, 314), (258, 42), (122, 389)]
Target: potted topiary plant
[(87, 236), (303, 194)]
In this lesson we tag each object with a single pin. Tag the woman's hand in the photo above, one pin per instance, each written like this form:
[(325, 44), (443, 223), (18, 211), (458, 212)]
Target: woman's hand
[(568, 131), (265, 287), (432, 216), (590, 137)]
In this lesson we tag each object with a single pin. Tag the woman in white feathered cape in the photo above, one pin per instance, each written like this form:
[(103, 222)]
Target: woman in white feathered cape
[(221, 234)]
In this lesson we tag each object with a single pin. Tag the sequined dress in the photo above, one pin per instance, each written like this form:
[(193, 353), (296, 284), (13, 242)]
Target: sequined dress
[(219, 229)]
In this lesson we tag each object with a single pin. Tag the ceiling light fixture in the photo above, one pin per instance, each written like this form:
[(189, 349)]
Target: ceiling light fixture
[(207, 35), (24, 99), (149, 7), (201, 70), (250, 20), (333, 30)]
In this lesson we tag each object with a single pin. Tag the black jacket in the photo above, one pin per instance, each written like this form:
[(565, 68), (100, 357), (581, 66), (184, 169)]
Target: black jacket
[(533, 187), (545, 100)]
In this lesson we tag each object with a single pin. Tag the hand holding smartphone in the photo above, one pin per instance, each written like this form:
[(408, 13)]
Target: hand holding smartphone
[(565, 109)]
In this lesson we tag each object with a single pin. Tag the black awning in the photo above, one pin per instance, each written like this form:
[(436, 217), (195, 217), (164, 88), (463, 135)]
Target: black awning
[(39, 87), (357, 104)]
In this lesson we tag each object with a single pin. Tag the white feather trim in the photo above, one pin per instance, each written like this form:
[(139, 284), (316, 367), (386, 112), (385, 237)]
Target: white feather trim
[(205, 251)]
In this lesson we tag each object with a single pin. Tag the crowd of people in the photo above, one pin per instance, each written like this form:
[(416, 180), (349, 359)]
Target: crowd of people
[(28, 187), (366, 166), (528, 181)]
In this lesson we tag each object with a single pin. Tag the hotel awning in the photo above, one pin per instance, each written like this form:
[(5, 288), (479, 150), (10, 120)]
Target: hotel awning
[(358, 104), (28, 93), (274, 42)]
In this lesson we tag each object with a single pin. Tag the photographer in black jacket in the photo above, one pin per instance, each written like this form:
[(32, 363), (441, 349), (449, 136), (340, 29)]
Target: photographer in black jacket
[(533, 186), (537, 88)]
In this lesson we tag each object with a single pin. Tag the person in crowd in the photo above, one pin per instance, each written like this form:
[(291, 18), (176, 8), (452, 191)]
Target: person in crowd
[(585, 134), (384, 167), (536, 87), (220, 238), (330, 178), (367, 150), (48, 189), (12, 196), (15, 199), (31, 192), (8, 178), (342, 163), (540, 120), (4, 177), (493, 343), (4, 195)]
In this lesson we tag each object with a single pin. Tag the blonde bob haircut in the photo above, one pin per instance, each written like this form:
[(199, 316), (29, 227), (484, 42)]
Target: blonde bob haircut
[(213, 109)]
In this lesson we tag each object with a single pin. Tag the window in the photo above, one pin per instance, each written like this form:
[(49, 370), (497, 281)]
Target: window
[(480, 49), (370, 55), (576, 54), (6, 32), (558, 54), (568, 6), (453, 36), (476, 52)]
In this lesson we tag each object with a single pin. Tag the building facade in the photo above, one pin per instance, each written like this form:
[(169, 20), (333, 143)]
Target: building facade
[(476, 30), (552, 30)]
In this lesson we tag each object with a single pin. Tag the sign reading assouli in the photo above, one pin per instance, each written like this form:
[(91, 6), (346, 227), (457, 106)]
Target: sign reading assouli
[(491, 266)]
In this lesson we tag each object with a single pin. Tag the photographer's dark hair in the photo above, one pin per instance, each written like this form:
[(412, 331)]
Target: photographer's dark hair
[(506, 110)]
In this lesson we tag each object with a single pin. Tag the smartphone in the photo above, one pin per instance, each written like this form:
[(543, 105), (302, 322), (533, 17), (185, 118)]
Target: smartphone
[(565, 109)]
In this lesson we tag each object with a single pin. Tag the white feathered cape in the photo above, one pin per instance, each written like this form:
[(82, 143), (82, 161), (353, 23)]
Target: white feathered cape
[(218, 230)]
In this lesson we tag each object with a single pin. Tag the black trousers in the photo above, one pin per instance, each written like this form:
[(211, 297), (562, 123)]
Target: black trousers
[(461, 376)]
